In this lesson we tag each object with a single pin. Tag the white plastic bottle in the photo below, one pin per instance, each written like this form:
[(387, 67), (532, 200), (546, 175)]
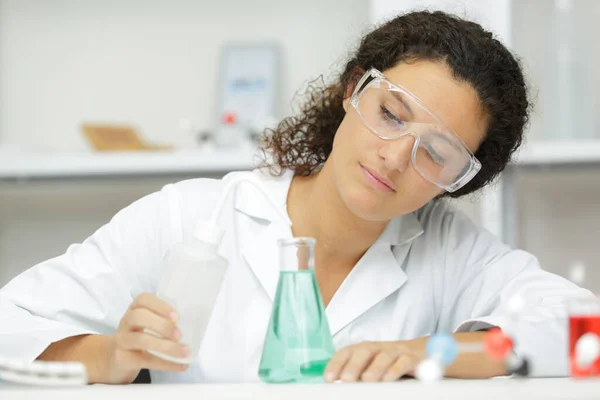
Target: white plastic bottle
[(194, 272), (191, 285)]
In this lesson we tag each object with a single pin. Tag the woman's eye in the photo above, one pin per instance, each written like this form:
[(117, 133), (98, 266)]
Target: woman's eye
[(389, 116), (434, 156)]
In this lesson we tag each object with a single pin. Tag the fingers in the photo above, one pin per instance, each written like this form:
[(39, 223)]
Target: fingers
[(148, 361), (361, 358), (402, 366), (337, 364), (132, 360), (351, 363), (379, 367), (140, 341), (149, 326), (142, 318), (371, 362), (156, 305)]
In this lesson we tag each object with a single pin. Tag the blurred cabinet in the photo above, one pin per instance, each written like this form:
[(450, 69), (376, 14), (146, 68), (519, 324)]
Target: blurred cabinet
[(48, 201)]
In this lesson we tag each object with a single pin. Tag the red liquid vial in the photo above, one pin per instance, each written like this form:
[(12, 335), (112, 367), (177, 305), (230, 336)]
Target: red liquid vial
[(584, 317)]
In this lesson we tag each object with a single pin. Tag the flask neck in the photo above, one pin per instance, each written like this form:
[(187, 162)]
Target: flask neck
[(297, 254)]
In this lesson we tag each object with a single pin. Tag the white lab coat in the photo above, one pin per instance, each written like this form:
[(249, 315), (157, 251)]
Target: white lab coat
[(430, 271)]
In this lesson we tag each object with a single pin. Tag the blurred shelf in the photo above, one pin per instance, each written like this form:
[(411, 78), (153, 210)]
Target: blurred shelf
[(499, 203), (64, 165), (559, 153)]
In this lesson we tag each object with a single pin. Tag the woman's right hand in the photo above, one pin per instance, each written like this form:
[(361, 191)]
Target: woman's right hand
[(130, 344)]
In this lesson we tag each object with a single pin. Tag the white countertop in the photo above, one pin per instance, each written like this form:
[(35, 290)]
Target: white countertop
[(38, 165), (501, 389)]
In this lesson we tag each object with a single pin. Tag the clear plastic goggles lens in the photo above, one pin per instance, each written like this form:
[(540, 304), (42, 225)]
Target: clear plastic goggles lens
[(391, 112)]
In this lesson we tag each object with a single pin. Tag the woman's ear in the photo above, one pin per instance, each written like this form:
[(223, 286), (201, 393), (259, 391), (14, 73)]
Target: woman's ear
[(346, 103), (355, 76)]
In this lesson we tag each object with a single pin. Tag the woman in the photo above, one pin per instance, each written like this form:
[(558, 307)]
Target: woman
[(429, 106)]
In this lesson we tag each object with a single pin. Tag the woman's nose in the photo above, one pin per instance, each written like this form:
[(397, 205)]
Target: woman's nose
[(397, 153)]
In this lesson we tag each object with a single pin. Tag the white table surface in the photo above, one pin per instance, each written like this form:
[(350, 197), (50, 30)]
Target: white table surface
[(505, 389)]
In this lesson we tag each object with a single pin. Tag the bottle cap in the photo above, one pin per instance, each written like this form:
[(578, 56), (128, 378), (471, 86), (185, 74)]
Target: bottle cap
[(210, 234)]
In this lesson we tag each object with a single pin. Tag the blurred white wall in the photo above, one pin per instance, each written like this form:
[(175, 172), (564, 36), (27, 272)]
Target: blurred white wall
[(558, 212), (152, 62), (493, 14), (536, 39), (149, 62)]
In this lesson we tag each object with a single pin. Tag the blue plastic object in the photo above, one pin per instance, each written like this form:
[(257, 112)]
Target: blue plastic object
[(442, 347)]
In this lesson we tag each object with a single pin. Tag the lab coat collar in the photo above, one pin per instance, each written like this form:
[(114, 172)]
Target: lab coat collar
[(401, 230), (398, 231), (377, 275), (252, 203)]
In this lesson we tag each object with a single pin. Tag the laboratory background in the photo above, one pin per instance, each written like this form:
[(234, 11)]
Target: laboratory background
[(103, 102)]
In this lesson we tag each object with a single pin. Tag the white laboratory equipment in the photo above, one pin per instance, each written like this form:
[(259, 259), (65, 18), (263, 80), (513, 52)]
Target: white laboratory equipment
[(231, 132), (42, 373)]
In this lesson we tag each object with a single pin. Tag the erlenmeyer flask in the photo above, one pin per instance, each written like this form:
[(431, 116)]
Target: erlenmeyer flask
[(298, 343)]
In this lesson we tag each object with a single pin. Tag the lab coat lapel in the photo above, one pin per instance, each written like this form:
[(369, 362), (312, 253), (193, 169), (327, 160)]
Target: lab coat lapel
[(262, 255), (259, 248), (377, 275)]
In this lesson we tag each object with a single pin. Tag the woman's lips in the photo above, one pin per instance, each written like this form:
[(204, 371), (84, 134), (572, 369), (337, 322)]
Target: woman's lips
[(377, 181)]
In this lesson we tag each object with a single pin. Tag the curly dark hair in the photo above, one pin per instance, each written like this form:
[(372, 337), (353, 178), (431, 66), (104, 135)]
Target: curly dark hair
[(303, 142)]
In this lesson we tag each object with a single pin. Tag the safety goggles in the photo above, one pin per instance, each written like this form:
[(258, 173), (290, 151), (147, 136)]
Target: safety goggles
[(392, 112)]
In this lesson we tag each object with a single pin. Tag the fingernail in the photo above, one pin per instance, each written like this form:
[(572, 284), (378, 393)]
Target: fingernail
[(185, 350), (174, 317), (176, 334), (329, 376)]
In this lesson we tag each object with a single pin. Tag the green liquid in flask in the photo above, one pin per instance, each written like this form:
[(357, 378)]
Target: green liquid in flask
[(298, 343)]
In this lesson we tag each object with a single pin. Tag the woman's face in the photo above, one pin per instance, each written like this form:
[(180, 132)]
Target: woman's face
[(357, 150)]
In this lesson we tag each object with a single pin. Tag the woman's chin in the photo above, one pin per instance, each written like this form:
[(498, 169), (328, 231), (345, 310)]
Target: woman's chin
[(367, 206)]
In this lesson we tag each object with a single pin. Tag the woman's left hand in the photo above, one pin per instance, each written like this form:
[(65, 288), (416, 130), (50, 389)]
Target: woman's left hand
[(373, 362)]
